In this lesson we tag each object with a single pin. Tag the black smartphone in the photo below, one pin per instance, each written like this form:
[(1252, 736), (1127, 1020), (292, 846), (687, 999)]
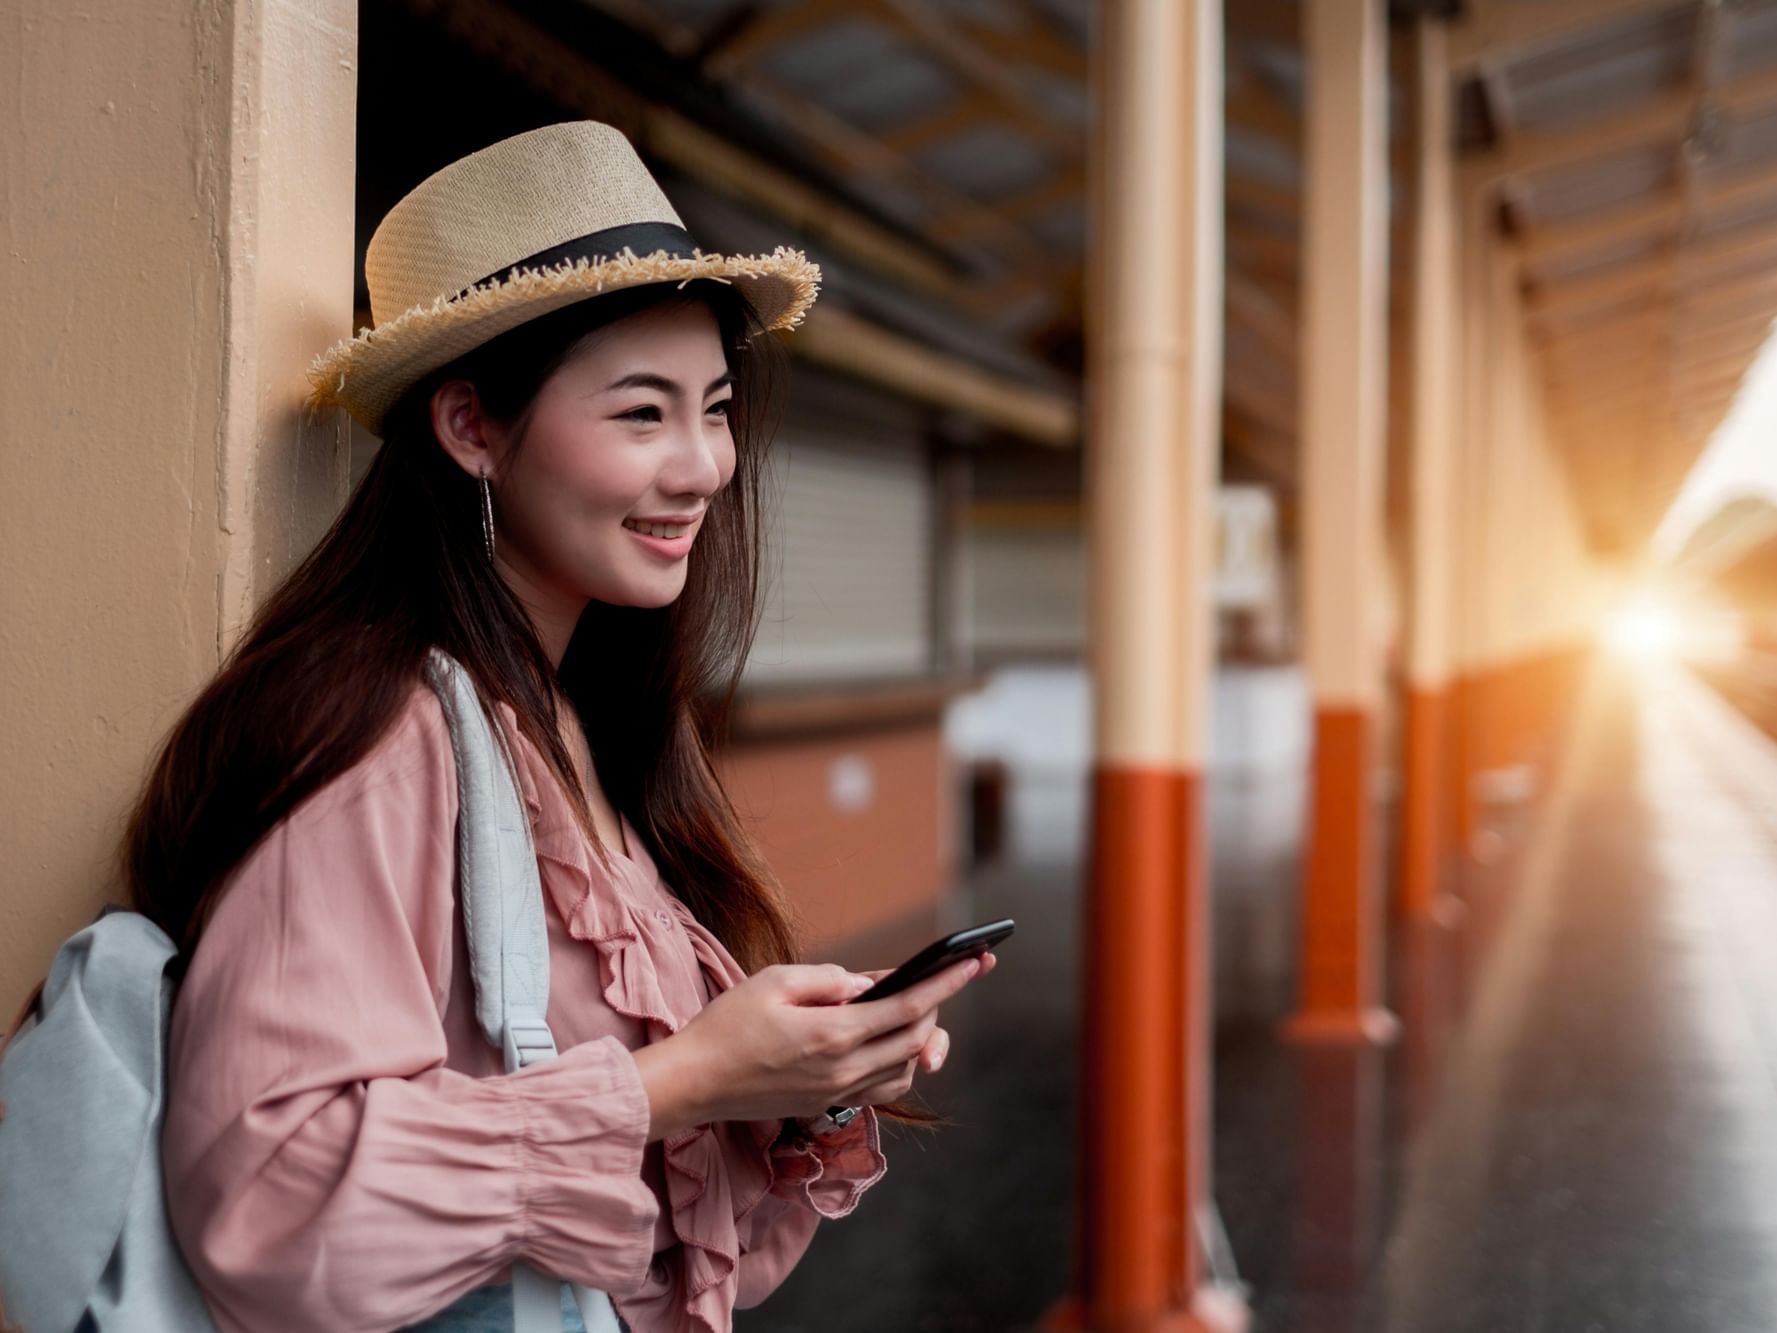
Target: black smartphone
[(937, 956)]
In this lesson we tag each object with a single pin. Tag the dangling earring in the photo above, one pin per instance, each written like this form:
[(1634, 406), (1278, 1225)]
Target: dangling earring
[(487, 516)]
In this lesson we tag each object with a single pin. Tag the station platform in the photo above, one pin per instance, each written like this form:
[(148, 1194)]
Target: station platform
[(1577, 1129)]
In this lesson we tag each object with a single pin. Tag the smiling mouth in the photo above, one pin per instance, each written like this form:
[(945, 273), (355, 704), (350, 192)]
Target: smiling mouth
[(667, 531)]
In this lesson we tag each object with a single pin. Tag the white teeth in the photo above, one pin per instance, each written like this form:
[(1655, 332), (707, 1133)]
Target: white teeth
[(659, 529)]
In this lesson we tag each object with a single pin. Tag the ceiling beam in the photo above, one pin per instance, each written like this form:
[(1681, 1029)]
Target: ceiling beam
[(1664, 119), (1270, 452), (575, 81), (834, 337), (1649, 218), (958, 48), (764, 29), (1664, 396), (1651, 367), (1048, 194), (1694, 266), (1607, 338), (946, 121), (1641, 355), (1504, 29), (1257, 310), (841, 146), (1255, 107), (1281, 203), (1267, 22), (1262, 253), (1035, 42), (1654, 218)]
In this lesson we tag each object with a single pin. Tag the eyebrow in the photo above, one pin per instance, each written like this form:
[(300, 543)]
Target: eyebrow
[(647, 379)]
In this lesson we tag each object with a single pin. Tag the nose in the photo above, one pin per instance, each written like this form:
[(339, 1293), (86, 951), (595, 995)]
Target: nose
[(694, 465)]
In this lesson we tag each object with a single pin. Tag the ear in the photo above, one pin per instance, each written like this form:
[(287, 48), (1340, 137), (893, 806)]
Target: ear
[(465, 431)]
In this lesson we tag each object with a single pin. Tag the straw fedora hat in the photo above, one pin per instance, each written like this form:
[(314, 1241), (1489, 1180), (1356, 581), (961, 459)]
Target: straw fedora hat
[(510, 232)]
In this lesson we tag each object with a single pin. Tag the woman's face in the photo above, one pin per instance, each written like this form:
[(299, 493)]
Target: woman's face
[(627, 445)]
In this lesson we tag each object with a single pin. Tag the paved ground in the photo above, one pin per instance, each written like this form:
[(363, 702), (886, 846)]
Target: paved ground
[(1578, 1130)]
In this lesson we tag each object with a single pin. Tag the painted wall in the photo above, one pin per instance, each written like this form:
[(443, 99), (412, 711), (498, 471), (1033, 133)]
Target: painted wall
[(177, 177), (860, 827)]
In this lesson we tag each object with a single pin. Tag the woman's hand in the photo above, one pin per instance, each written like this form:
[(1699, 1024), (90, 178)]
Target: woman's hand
[(931, 1056), (783, 1043)]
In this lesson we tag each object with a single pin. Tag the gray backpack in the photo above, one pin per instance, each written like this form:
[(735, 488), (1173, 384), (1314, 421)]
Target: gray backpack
[(85, 1244)]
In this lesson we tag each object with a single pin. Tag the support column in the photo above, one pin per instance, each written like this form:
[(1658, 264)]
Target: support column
[(179, 246), (1478, 411), (1424, 839), (1344, 351), (1154, 397)]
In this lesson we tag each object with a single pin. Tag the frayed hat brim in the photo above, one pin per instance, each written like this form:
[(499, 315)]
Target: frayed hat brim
[(367, 374)]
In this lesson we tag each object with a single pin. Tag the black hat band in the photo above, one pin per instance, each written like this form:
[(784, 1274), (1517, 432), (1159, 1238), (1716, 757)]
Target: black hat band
[(644, 238)]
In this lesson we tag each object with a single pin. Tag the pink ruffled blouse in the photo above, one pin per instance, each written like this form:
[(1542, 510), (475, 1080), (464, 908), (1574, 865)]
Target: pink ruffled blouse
[(342, 1147)]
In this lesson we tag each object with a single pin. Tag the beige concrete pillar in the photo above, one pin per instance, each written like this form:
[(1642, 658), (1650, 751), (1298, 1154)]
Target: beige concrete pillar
[(1432, 533), (1154, 397), (1471, 705), (178, 191), (1344, 360)]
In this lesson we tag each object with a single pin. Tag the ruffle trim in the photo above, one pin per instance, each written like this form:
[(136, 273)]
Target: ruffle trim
[(831, 1173), (710, 1188)]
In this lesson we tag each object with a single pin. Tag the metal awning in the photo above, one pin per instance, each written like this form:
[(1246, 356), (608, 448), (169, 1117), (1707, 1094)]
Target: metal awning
[(1629, 148)]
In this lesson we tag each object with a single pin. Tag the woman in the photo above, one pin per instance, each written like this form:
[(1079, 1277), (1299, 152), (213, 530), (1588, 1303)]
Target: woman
[(566, 501)]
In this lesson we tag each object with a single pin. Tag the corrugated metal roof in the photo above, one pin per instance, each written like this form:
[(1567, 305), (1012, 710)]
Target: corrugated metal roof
[(1632, 144)]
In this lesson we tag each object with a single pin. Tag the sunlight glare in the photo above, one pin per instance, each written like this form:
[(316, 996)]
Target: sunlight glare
[(1643, 629)]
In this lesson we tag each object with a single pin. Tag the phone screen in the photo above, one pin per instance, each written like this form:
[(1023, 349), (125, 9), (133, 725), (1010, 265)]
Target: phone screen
[(938, 955)]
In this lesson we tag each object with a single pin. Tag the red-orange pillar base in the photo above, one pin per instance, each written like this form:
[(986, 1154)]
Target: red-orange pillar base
[(1425, 833), (1144, 1062), (1341, 962), (1211, 1312)]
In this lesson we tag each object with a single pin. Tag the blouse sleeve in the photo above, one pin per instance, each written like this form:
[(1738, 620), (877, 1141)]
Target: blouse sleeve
[(324, 1169), (811, 1178)]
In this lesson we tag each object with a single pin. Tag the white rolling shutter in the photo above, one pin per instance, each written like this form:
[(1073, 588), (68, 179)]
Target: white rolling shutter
[(1028, 591), (848, 558)]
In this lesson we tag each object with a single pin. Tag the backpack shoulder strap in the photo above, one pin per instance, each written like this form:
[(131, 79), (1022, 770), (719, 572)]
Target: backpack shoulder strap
[(497, 880), (502, 901)]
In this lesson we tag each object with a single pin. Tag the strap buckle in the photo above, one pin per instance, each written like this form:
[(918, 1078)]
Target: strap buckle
[(526, 1041)]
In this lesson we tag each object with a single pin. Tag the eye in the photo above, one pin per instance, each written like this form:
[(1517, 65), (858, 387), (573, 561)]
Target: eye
[(721, 408), (648, 412)]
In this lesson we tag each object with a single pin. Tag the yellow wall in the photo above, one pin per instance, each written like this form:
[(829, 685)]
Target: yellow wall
[(179, 214)]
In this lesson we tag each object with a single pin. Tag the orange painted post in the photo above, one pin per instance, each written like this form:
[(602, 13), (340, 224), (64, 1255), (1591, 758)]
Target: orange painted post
[(1425, 839), (1424, 844), (1458, 775), (1154, 410), (1344, 353)]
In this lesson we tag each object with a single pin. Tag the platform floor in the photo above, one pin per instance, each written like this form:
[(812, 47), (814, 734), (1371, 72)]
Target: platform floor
[(1577, 1131)]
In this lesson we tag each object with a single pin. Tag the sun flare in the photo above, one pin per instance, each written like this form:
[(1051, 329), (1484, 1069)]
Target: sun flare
[(1643, 629)]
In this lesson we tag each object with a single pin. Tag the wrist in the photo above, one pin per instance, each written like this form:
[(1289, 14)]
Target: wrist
[(670, 1076)]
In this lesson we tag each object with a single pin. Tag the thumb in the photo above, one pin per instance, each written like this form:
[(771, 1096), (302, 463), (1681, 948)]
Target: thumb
[(823, 983)]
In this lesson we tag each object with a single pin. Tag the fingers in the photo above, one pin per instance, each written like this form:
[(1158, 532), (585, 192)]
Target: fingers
[(877, 1017), (987, 960), (894, 1062), (880, 1056), (882, 1087), (817, 983), (931, 1055)]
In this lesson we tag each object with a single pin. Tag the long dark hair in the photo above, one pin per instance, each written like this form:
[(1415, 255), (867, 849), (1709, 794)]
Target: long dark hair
[(328, 662)]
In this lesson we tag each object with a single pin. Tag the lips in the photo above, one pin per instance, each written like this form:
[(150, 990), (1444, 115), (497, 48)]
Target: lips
[(672, 548)]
